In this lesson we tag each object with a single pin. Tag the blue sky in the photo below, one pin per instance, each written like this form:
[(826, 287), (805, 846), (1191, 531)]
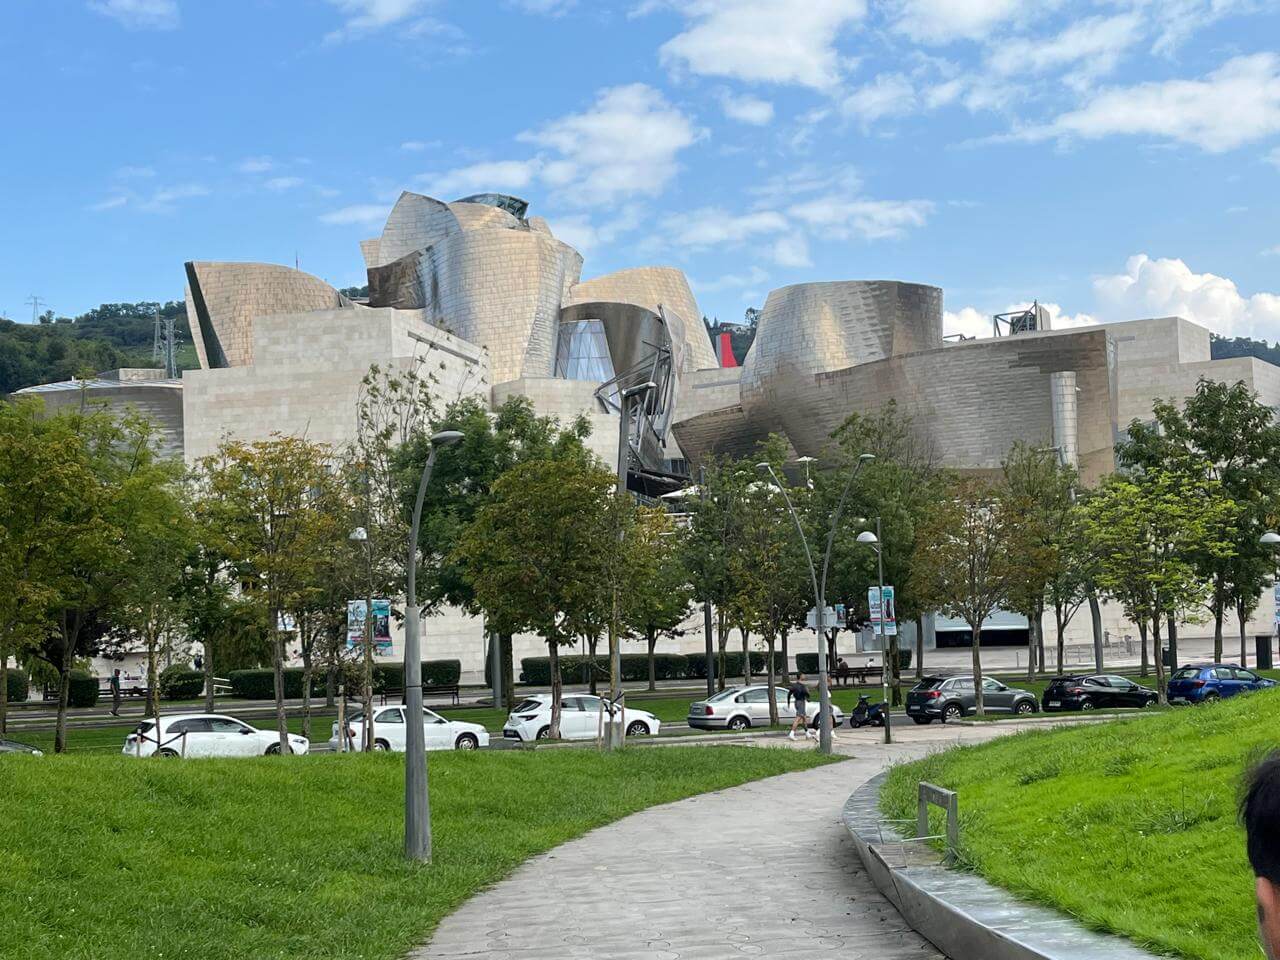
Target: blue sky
[(1115, 158)]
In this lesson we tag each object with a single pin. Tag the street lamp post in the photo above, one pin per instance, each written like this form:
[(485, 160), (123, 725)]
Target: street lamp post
[(614, 733), (417, 805), (819, 592), (873, 541)]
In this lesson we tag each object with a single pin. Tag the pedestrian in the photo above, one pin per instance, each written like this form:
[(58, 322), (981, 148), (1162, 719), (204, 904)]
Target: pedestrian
[(798, 694), (115, 693), (842, 672), (1260, 811)]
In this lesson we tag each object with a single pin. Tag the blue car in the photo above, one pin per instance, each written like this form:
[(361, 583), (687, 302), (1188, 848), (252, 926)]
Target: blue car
[(1211, 682)]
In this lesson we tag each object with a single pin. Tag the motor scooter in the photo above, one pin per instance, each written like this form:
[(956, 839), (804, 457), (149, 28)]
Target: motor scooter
[(867, 713)]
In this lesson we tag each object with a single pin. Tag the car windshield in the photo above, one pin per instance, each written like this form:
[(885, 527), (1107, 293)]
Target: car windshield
[(357, 717), (528, 706), (145, 726), (929, 683), (1187, 673), (722, 695)]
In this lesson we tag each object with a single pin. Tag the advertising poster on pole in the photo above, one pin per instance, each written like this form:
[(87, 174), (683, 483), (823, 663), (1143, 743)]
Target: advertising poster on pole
[(381, 625), (889, 611)]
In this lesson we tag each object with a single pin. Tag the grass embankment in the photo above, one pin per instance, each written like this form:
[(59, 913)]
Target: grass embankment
[(1129, 826), (111, 858)]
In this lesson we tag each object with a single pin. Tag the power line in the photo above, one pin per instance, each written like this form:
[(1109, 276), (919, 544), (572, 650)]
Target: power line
[(36, 304)]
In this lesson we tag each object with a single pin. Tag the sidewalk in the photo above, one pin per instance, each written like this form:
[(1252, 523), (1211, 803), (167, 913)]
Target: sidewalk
[(764, 869)]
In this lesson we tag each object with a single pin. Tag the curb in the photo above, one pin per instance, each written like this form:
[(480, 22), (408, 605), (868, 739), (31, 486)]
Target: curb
[(961, 914)]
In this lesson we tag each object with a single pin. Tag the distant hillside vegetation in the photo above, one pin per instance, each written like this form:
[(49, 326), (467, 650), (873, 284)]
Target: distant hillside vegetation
[(1220, 348)]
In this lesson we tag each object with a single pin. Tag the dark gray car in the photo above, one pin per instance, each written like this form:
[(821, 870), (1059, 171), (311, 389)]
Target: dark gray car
[(950, 698)]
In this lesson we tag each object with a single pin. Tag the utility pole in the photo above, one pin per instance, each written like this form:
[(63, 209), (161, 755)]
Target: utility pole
[(36, 304), (884, 644), (706, 606)]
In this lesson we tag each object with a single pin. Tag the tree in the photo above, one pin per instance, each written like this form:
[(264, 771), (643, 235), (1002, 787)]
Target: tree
[(536, 551), (462, 482), (962, 563), (1221, 433), (658, 591), (1148, 533), (270, 505), (1072, 573)]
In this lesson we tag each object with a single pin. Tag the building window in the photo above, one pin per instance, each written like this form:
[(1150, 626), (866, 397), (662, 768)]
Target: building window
[(582, 352)]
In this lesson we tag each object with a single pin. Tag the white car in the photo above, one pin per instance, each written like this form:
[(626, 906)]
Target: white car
[(206, 735), (738, 708), (390, 730), (579, 719)]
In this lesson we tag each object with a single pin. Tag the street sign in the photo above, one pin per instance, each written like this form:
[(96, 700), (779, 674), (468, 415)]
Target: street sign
[(828, 618), (889, 610)]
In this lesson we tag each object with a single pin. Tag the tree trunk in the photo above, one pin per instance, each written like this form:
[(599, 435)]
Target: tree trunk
[(557, 688), (1095, 621), (1031, 647), (1242, 617), (1158, 652), (4, 690), (153, 676), (786, 656), (652, 637), (1142, 642), (832, 654), (277, 665), (920, 648), (508, 670), (722, 643), (772, 681), (895, 671), (1040, 658), (746, 657), (1172, 626), (70, 642), (1219, 610), (980, 709), (208, 675), (366, 683), (306, 686), (330, 685), (1058, 611), (591, 663)]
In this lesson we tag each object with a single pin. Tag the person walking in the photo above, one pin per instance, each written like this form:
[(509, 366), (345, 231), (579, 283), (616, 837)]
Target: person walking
[(115, 693), (1260, 811), (798, 695)]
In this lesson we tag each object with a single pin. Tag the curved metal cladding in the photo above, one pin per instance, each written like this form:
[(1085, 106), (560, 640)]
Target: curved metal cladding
[(501, 289), (651, 287), (224, 298), (814, 328), (160, 401), (414, 222)]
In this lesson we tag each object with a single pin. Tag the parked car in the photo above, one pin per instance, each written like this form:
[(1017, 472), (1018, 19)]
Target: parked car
[(738, 708), (950, 698), (579, 719), (1211, 682), (205, 735), (1093, 690), (13, 746), (390, 731)]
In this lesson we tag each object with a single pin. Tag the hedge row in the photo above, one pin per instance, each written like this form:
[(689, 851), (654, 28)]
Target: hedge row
[(635, 667), (808, 662), (19, 686), (260, 684), (83, 691), (180, 682)]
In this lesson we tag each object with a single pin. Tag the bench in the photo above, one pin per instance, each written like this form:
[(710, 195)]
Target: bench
[(428, 690), (859, 675)]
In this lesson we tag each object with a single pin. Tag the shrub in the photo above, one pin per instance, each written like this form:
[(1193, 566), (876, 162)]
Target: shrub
[(179, 682), (435, 673), (19, 687), (84, 689), (260, 684), (807, 662), (666, 666), (733, 665), (536, 671)]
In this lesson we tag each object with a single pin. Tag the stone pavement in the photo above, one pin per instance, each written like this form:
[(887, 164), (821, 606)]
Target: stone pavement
[(765, 869)]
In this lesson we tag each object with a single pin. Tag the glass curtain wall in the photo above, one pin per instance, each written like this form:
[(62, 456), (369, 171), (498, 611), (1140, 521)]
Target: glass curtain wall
[(582, 352)]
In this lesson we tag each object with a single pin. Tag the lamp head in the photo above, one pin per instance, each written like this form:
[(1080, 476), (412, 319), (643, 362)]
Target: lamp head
[(764, 467), (359, 534), (866, 536), (1270, 539), (866, 457), (446, 438), (638, 389)]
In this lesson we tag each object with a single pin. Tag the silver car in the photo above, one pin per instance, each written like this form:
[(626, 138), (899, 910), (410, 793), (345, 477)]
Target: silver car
[(738, 708)]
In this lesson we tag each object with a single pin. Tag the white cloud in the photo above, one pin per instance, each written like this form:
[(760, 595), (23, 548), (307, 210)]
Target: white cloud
[(497, 175), (888, 95), (1272, 251), (755, 276), (417, 146), (942, 21), (1178, 20), (365, 214), (1236, 104), (135, 173), (747, 109), (255, 165), (626, 144), (140, 14), (1094, 43), (711, 227), (544, 8), (367, 16), (111, 203), (586, 236), (837, 217), (974, 324), (283, 183), (792, 250), (165, 199), (763, 40), (1168, 287), (1273, 157)]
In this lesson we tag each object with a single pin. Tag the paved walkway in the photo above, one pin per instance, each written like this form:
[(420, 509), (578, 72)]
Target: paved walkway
[(765, 869)]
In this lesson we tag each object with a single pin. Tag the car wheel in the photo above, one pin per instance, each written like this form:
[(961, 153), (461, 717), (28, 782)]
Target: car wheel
[(381, 744), (739, 723), (1148, 703), (1025, 708), (274, 750), (467, 741), (1211, 698), (923, 721), (1086, 703), (952, 712), (544, 733), (638, 728), (166, 752)]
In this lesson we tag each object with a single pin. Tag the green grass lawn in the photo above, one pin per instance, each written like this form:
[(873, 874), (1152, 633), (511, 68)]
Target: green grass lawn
[(1130, 826), (108, 857)]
